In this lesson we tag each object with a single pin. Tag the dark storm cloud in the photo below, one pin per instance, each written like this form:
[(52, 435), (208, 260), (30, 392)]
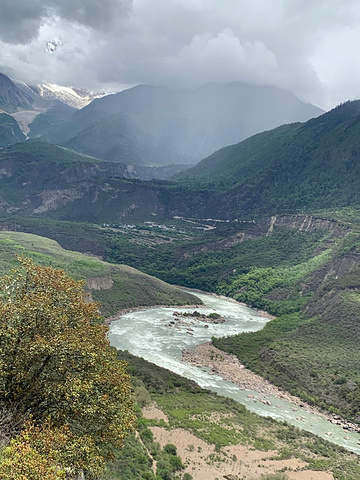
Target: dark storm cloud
[(307, 46), (20, 20), (98, 14)]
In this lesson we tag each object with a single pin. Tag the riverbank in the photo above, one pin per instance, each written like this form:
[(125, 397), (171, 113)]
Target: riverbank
[(153, 334), (229, 367)]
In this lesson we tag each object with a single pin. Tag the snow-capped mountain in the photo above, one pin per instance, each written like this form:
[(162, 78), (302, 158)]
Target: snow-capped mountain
[(16, 95), (74, 97)]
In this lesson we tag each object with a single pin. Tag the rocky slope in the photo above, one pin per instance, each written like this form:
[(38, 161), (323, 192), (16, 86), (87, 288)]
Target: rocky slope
[(74, 97), (15, 96)]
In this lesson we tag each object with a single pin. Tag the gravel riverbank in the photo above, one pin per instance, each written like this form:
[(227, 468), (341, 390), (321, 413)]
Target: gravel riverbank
[(229, 367)]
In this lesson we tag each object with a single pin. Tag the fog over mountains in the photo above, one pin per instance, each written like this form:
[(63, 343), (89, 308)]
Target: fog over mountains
[(149, 125)]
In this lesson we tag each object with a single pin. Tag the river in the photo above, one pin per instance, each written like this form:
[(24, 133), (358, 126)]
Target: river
[(147, 334)]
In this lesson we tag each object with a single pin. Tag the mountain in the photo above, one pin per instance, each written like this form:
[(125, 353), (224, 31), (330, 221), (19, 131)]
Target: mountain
[(293, 168), (43, 179), (307, 166), (53, 125), (25, 102), (180, 126), (15, 96), (10, 132), (126, 142), (148, 125), (73, 97)]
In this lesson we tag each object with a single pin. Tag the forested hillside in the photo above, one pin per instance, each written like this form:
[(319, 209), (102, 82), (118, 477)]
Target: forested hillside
[(295, 167), (302, 269), (10, 132)]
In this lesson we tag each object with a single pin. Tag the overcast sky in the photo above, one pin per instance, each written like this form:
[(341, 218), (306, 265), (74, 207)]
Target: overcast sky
[(308, 46)]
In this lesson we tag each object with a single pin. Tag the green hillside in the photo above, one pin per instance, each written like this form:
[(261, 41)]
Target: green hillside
[(115, 286), (41, 152), (54, 125), (294, 167)]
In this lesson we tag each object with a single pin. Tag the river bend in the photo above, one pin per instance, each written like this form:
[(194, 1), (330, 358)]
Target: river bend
[(147, 334)]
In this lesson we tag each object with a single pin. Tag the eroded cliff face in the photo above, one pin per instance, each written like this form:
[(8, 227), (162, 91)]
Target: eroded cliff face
[(100, 283), (306, 223), (92, 191), (44, 182)]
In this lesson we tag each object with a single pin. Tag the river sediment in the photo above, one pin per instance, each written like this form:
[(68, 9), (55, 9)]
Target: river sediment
[(230, 368)]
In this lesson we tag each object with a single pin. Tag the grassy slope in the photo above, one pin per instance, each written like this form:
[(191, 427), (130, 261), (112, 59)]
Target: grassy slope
[(130, 287), (311, 348), (220, 422)]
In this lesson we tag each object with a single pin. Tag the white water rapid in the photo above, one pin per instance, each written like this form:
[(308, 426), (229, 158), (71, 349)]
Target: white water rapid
[(145, 333)]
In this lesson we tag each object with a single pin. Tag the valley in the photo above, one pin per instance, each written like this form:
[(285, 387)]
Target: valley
[(154, 336), (299, 252), (110, 194)]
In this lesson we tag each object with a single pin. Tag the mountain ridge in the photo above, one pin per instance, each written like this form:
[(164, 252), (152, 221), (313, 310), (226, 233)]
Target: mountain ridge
[(196, 122), (310, 165)]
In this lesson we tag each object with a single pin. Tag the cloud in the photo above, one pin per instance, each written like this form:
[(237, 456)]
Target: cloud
[(221, 58), (21, 20), (305, 46)]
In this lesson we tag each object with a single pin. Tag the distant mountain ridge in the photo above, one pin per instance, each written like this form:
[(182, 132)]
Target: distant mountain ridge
[(73, 97), (183, 126), (308, 165), (149, 125), (15, 96), (301, 167)]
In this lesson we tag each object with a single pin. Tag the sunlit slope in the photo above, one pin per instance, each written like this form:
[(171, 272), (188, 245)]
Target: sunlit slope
[(115, 286)]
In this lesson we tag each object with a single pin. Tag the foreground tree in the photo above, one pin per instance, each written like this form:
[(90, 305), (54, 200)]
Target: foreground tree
[(57, 368)]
